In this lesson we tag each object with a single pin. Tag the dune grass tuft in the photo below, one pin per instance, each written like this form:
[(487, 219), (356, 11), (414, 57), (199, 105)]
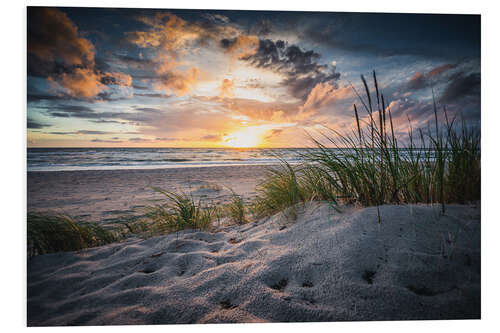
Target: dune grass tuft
[(236, 209), (180, 212), (53, 233), (280, 192)]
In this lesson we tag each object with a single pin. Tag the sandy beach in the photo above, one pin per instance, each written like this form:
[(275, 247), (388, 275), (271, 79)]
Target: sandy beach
[(105, 195), (325, 266)]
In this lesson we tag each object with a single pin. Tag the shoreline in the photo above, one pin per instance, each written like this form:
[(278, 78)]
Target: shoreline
[(155, 167)]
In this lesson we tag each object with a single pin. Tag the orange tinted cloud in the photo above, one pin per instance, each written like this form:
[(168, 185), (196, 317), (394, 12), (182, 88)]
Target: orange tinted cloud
[(81, 82), (324, 95), (226, 88), (257, 110), (169, 32), (170, 35), (440, 69), (86, 82), (176, 81), (54, 39)]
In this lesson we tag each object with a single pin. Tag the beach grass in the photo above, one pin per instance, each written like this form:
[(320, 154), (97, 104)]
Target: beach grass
[(371, 166), (48, 233), (236, 209), (180, 211)]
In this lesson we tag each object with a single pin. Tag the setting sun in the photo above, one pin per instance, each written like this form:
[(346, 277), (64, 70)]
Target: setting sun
[(243, 139)]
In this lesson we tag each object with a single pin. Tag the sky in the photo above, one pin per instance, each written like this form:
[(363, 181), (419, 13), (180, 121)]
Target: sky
[(109, 77)]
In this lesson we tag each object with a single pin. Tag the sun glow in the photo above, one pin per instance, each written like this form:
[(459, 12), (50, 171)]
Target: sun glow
[(246, 138)]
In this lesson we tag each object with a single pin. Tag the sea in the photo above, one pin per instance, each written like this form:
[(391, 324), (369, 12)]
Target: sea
[(68, 159)]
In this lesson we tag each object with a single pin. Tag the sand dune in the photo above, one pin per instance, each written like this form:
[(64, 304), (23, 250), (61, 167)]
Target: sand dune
[(326, 266)]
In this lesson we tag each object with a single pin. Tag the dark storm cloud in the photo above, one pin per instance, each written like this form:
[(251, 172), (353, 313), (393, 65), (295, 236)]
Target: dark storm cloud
[(281, 57), (32, 124), (462, 86), (60, 114), (301, 68), (53, 37), (38, 67), (263, 28), (141, 115), (424, 80), (65, 111), (76, 111), (72, 108), (417, 81), (34, 97), (84, 132)]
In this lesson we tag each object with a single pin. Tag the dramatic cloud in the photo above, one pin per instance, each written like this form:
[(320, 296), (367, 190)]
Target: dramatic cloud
[(81, 82), (423, 80), (462, 86), (324, 95), (170, 37), (441, 69), (196, 78), (56, 51), (300, 68), (84, 132), (167, 31), (54, 38), (177, 82), (417, 81), (240, 47)]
